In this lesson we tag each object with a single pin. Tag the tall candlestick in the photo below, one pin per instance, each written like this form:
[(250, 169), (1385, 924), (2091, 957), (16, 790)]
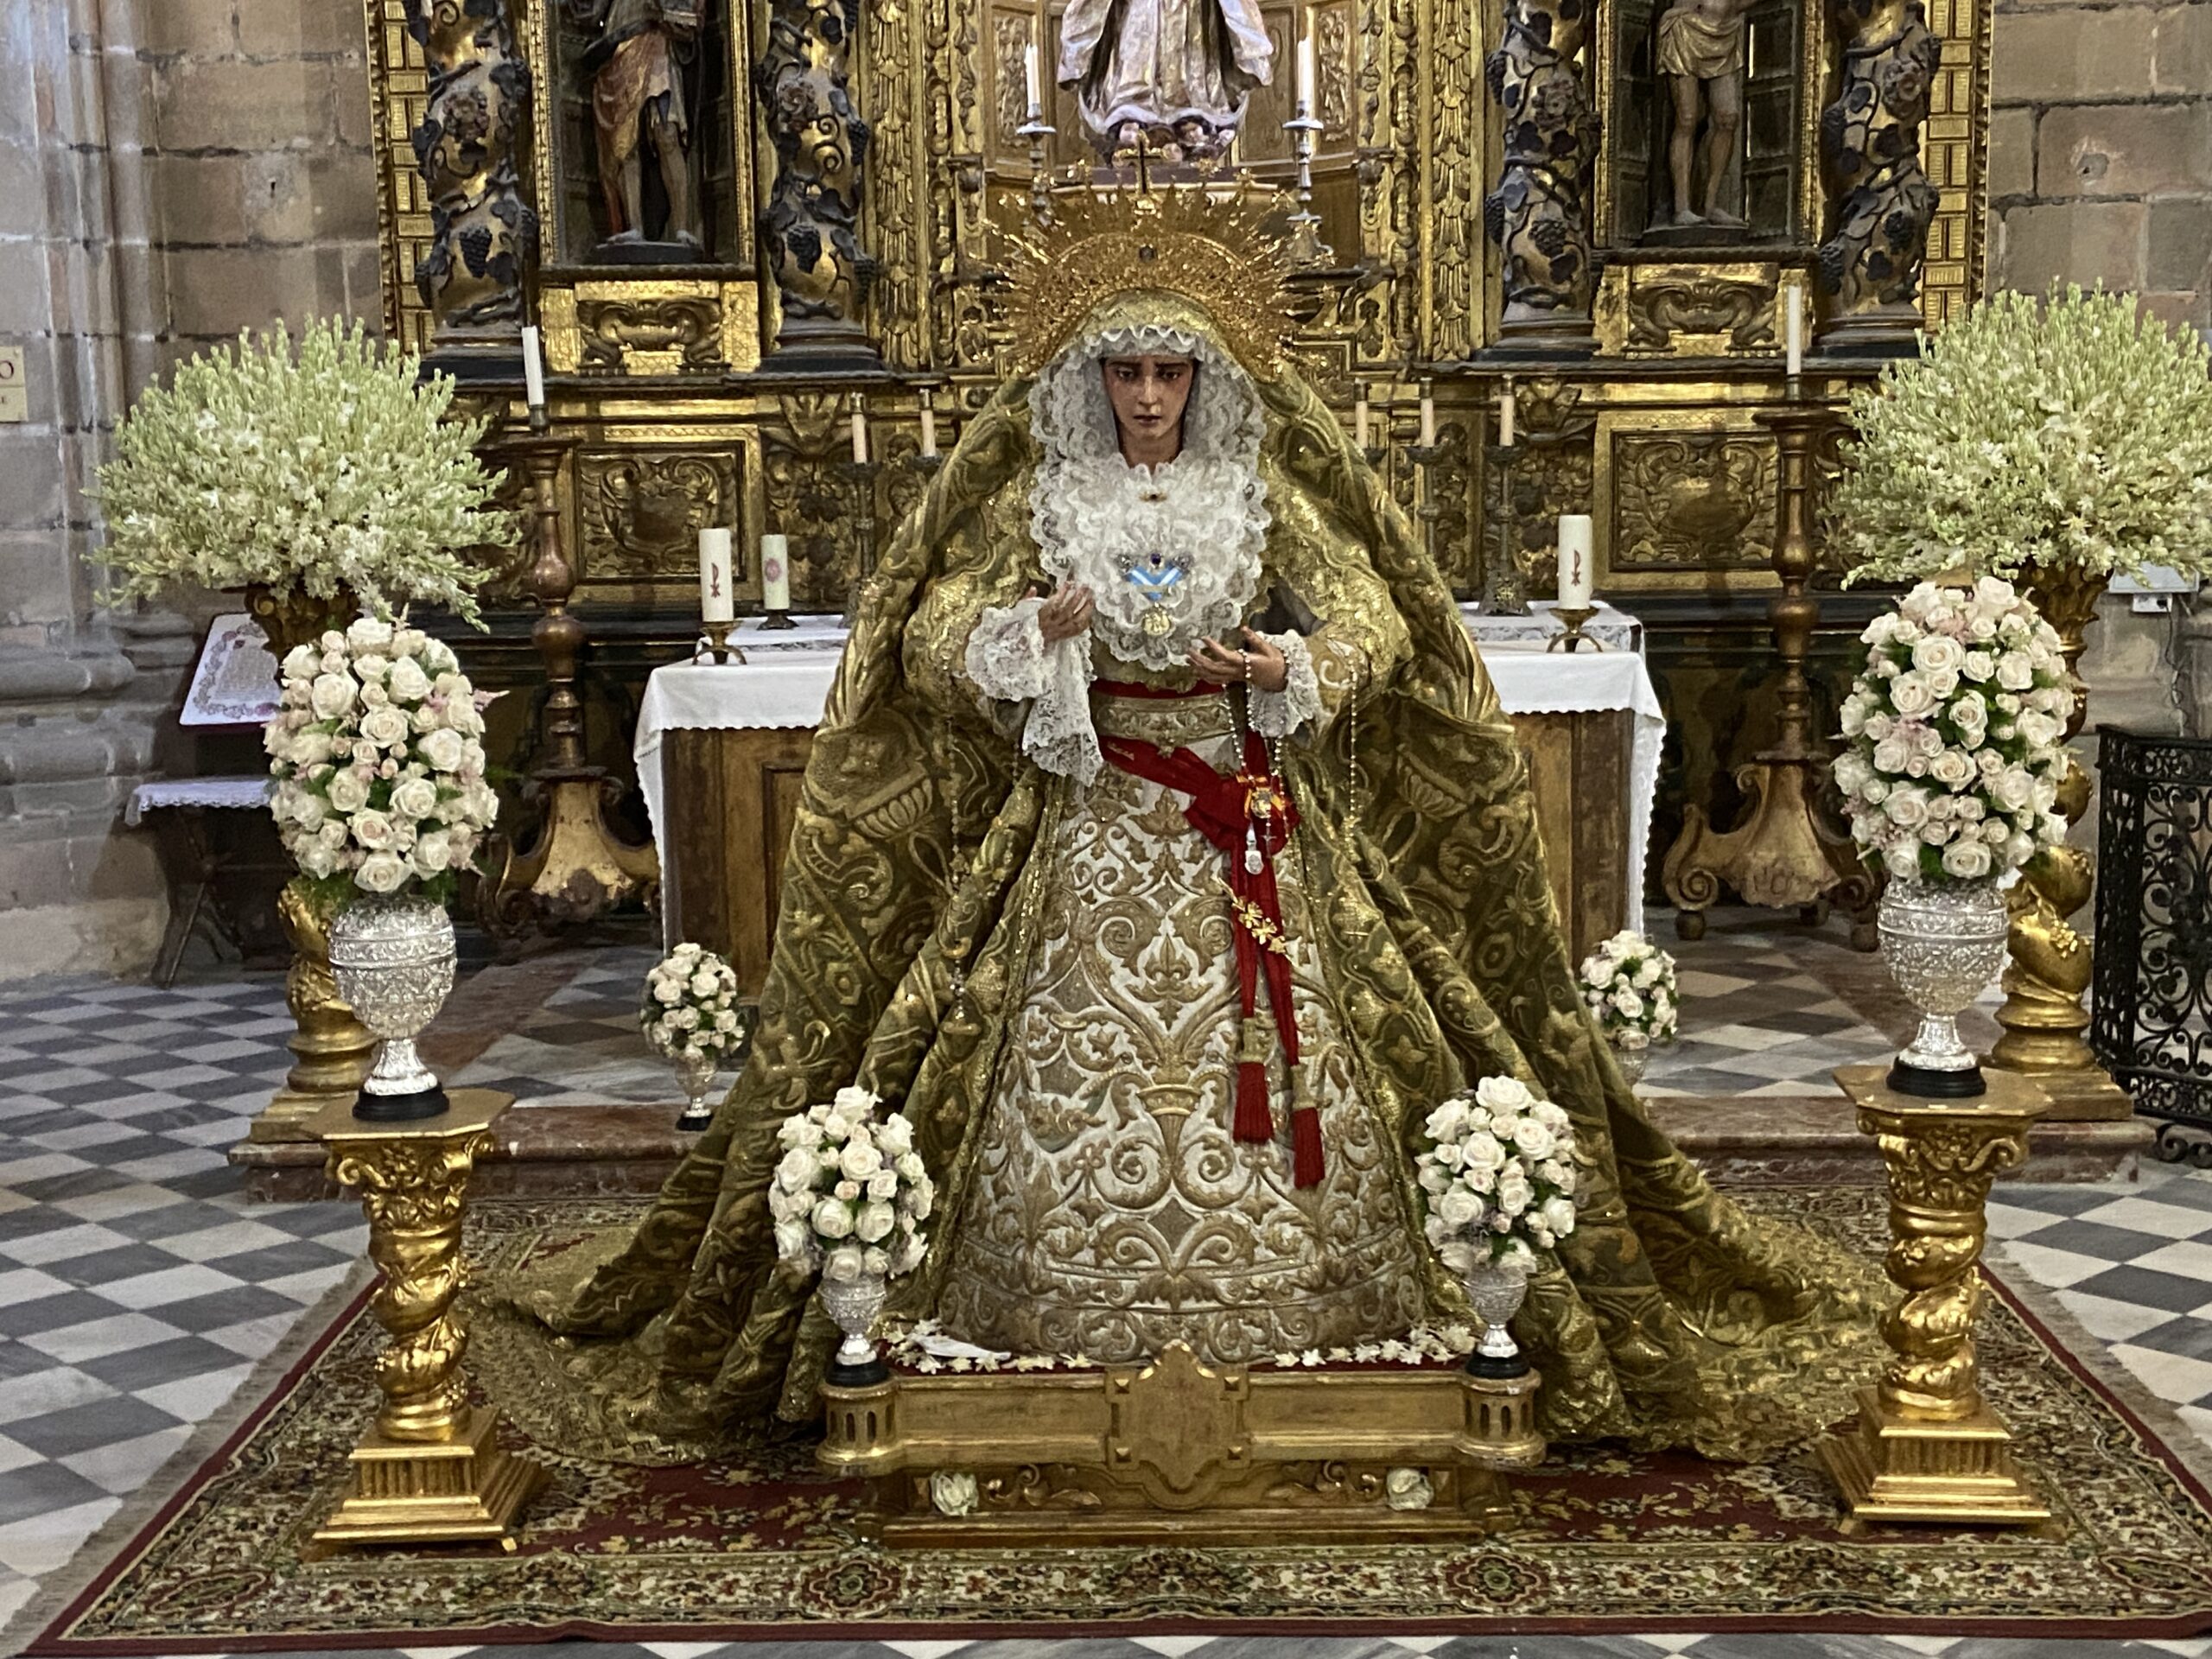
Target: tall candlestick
[(717, 603), (775, 573), (1506, 410), (533, 368), (929, 424), (860, 432), (1029, 75), (1577, 577), (1793, 328), (1428, 416), (1360, 417)]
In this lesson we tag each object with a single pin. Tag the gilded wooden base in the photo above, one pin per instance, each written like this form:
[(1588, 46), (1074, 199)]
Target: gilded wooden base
[(1177, 1449), (1782, 856), (464, 1489), (1897, 1470), (577, 867)]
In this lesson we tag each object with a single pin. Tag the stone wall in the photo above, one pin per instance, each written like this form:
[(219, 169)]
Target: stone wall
[(170, 170)]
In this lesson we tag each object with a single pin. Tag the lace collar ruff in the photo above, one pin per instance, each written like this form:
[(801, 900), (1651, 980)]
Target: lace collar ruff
[(1172, 552)]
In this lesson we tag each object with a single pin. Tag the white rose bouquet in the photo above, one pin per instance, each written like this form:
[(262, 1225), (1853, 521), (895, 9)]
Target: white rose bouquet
[(1629, 983), (1497, 1177), (379, 769), (1957, 727), (850, 1194), (691, 1006)]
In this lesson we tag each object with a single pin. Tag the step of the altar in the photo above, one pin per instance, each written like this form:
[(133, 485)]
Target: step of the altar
[(1776, 1141)]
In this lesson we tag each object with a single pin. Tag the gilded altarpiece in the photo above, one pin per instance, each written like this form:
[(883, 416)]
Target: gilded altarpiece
[(685, 395)]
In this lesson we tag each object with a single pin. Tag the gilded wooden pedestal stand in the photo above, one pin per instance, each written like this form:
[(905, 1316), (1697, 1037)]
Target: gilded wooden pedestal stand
[(1178, 1450), (2051, 964), (1927, 1447), (429, 1470), (577, 865), (1784, 855)]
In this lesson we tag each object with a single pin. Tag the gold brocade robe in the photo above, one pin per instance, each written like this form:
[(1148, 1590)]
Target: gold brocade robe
[(914, 917)]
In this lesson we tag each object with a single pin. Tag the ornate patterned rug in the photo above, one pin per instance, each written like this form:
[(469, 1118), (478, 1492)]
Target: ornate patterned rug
[(1606, 1539)]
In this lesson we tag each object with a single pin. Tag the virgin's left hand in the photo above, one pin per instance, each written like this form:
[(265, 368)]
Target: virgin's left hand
[(1259, 664)]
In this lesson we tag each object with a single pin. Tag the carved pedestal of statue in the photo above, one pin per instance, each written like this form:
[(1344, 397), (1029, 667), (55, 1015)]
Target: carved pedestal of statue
[(641, 112), (1173, 75)]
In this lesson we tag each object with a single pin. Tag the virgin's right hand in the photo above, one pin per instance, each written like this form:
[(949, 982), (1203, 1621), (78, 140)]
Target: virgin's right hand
[(1065, 614)]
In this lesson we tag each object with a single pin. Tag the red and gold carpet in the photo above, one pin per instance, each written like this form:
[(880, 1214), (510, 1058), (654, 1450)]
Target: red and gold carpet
[(1607, 1540)]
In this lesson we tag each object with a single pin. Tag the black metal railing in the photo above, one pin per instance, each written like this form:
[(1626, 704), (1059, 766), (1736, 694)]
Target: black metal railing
[(2151, 1022)]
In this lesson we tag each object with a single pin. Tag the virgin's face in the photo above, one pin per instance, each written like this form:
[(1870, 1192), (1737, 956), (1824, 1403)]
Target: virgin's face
[(1149, 395)]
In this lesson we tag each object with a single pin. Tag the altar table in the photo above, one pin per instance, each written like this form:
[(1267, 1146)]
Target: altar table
[(722, 750)]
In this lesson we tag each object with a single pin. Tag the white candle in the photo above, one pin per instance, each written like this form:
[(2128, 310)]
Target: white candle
[(533, 368), (1360, 417), (1428, 417), (1577, 541), (1029, 75), (860, 430), (1793, 328), (1305, 75), (775, 573), (1507, 408), (717, 602), (929, 425)]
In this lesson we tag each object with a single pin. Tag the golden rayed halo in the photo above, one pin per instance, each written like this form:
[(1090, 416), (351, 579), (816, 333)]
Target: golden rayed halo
[(1211, 244)]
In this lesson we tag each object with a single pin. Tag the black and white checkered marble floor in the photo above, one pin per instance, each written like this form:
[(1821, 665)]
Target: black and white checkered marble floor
[(137, 1287)]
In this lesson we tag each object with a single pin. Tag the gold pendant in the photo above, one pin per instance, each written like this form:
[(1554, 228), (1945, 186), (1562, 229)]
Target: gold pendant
[(1157, 624)]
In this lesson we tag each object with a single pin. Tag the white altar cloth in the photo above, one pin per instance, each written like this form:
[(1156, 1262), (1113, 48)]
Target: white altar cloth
[(785, 683)]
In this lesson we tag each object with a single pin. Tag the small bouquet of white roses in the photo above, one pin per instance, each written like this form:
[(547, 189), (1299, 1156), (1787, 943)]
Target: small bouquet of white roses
[(691, 1006), (1629, 983), (376, 751), (1497, 1177), (1957, 727), (850, 1194)]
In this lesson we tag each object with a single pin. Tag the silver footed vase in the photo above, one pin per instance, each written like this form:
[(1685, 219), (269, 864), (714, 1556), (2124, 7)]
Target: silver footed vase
[(1495, 1291), (696, 1076), (1943, 945), (392, 956), (853, 1306)]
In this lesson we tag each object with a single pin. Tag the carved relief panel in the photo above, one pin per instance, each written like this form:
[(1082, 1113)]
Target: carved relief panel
[(639, 512), (1686, 500)]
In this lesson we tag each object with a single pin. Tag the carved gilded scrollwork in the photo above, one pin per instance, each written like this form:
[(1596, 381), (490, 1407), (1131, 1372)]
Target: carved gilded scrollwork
[(1539, 214), (484, 233), (1333, 66), (668, 334), (809, 499), (642, 511), (1868, 271), (1554, 471), (810, 229), (1691, 303), (1684, 499)]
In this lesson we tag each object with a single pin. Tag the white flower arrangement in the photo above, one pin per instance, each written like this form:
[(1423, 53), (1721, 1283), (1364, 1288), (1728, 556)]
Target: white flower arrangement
[(1497, 1177), (375, 748), (1629, 983), (329, 472), (1957, 727), (2070, 431), (926, 1347), (690, 1005), (850, 1194)]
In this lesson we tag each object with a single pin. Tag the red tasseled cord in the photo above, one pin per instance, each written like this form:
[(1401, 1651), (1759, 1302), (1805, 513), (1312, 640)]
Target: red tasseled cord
[(1254, 1121), (1306, 1147)]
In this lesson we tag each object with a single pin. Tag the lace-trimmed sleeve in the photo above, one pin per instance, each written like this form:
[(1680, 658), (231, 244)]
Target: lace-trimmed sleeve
[(1008, 659), (1278, 714)]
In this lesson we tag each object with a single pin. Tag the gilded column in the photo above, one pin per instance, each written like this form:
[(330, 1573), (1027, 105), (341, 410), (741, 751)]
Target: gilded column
[(809, 231), (1880, 201), (1539, 214), (483, 232)]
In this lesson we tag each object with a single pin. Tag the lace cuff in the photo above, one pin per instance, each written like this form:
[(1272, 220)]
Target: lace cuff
[(1007, 657), (1278, 714)]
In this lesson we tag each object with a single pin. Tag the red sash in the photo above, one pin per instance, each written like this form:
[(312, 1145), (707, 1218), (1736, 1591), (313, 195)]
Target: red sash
[(1252, 810)]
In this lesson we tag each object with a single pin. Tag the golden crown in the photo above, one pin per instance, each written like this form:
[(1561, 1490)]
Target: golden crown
[(1210, 243)]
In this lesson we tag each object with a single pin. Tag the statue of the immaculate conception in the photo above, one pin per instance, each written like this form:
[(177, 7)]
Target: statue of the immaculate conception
[(1171, 75)]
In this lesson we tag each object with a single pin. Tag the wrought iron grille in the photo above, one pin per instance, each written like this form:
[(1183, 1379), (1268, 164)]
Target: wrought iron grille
[(2151, 1027)]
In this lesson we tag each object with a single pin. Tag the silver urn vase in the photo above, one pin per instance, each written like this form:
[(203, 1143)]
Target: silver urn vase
[(853, 1306), (1943, 945), (696, 1079), (1495, 1290), (1631, 1062), (392, 956)]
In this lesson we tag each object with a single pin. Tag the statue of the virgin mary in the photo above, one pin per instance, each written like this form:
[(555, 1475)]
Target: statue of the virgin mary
[(1165, 858)]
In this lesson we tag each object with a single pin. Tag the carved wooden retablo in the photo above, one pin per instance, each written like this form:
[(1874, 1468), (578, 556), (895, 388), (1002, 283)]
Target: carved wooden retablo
[(1178, 1448)]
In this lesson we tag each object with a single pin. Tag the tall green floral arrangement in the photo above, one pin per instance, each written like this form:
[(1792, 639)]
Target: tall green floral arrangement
[(2075, 430), (326, 470)]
